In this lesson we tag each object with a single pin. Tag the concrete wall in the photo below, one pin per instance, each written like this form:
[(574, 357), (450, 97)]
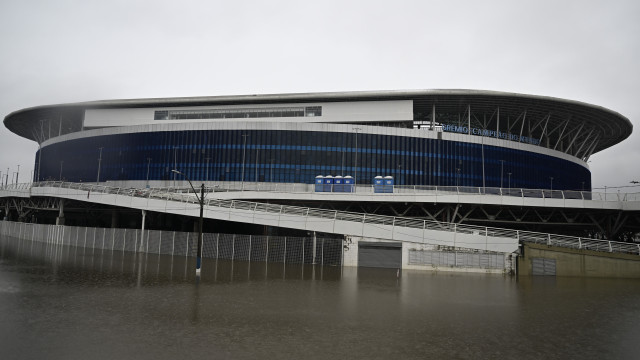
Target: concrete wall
[(350, 257), (574, 262)]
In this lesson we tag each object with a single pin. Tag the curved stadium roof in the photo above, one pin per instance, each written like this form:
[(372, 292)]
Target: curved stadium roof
[(564, 123)]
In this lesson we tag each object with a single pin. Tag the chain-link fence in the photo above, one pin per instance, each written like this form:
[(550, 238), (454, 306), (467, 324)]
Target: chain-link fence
[(280, 249)]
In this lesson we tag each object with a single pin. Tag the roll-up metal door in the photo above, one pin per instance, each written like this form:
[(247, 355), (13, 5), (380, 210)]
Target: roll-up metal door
[(380, 254), (543, 267)]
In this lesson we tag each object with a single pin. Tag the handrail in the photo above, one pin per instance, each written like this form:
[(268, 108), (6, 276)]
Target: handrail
[(521, 236), (370, 189)]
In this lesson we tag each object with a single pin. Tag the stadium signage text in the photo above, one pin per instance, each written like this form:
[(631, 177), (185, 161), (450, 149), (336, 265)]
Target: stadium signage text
[(489, 133)]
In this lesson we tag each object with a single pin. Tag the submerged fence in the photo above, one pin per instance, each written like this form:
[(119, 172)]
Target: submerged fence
[(281, 249)]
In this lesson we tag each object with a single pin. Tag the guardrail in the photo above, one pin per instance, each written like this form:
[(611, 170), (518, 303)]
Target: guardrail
[(186, 197), (522, 236), (369, 190)]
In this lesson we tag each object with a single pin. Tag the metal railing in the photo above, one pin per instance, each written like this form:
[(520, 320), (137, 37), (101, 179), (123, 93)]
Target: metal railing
[(279, 249), (231, 186), (522, 236)]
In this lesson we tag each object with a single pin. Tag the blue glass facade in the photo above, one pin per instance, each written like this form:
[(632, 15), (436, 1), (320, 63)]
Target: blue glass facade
[(299, 156)]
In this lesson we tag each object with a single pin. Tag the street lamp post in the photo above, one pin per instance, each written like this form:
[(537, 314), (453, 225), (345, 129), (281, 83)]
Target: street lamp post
[(201, 202), (355, 177), (61, 162), (206, 176), (551, 177), (18, 174), (99, 164), (148, 166), (501, 172), (271, 171), (175, 165), (244, 148), (39, 161)]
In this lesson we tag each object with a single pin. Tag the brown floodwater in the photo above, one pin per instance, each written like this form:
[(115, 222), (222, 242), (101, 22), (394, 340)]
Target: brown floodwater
[(74, 303)]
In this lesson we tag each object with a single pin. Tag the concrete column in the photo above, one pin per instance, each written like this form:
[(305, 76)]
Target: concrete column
[(114, 219), (144, 216), (60, 218)]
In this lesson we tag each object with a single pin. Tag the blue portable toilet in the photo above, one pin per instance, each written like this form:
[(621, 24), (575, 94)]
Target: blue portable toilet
[(348, 184), (319, 183), (338, 184), (388, 184), (378, 184), (328, 183)]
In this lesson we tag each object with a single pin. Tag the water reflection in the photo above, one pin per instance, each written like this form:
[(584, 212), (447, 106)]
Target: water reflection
[(70, 302)]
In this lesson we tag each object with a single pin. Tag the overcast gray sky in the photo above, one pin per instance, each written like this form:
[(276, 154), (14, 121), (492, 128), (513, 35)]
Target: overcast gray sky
[(69, 51)]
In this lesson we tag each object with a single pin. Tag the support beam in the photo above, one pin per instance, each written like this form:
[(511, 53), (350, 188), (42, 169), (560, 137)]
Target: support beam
[(586, 139), (144, 217), (60, 218), (433, 117), (566, 123), (575, 137)]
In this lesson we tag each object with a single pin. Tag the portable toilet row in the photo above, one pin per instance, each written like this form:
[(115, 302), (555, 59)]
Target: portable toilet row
[(383, 184), (334, 184)]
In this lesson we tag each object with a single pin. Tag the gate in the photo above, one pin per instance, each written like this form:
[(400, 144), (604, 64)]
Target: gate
[(380, 254), (543, 267)]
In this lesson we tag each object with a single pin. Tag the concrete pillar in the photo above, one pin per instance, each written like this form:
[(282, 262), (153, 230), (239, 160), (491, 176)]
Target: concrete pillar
[(114, 219), (144, 216), (60, 218)]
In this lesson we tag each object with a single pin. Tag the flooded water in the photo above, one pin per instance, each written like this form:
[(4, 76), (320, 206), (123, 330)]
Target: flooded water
[(73, 303)]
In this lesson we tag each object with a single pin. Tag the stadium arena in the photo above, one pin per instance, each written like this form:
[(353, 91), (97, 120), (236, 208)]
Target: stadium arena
[(432, 137)]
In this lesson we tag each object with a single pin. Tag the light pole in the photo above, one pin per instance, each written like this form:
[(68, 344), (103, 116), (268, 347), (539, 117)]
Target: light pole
[(244, 147), (257, 155), (201, 202), (501, 172), (551, 177), (61, 162), (148, 166), (271, 171), (457, 176), (355, 177), (206, 176), (99, 164), (39, 160), (175, 165), (18, 174)]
